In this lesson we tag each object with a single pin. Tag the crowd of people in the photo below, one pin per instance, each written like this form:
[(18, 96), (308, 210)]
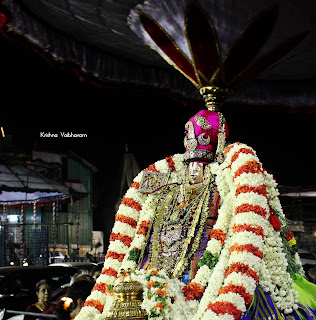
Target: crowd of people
[(66, 301)]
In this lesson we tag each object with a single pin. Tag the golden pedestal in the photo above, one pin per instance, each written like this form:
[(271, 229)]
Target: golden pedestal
[(128, 300)]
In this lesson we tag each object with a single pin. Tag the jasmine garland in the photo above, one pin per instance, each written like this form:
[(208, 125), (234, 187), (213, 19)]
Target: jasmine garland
[(244, 249)]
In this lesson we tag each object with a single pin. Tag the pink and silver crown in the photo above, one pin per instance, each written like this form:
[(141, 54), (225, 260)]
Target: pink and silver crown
[(204, 133)]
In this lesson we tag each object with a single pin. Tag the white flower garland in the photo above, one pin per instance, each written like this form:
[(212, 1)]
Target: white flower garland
[(247, 246)]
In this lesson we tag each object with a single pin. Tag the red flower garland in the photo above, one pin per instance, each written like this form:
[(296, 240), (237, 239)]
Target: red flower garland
[(95, 304), (135, 185), (227, 149), (254, 208), (247, 227), (225, 307), (243, 268), (103, 287), (218, 235), (110, 272), (121, 237), (132, 222), (152, 167), (115, 255), (251, 166), (130, 202), (171, 163), (192, 291), (242, 150), (259, 190), (241, 290), (100, 287), (246, 248), (143, 228)]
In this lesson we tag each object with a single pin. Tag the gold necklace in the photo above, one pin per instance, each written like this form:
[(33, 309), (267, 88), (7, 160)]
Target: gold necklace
[(178, 259)]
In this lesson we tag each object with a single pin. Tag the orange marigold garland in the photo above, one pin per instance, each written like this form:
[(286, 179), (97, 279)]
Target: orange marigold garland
[(135, 185), (218, 235), (243, 268), (244, 189), (130, 202), (121, 237), (247, 227), (110, 272), (245, 207), (115, 255), (225, 307), (152, 167), (171, 163), (193, 291), (143, 228), (247, 248), (132, 222), (251, 166), (95, 304), (237, 289), (242, 150)]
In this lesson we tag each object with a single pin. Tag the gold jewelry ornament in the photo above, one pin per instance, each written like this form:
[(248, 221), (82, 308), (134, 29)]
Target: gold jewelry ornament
[(202, 122), (152, 181), (189, 141), (127, 304), (199, 154), (204, 141)]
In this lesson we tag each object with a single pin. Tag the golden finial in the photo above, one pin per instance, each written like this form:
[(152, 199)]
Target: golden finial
[(214, 97)]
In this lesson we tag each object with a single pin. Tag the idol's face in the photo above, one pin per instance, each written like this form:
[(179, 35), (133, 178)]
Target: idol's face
[(195, 172)]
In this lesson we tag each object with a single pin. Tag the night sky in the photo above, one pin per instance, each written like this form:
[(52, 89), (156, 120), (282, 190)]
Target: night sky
[(37, 96)]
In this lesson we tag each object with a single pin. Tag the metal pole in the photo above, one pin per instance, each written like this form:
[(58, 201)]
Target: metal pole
[(78, 224), (39, 315), (54, 231), (34, 213), (22, 236)]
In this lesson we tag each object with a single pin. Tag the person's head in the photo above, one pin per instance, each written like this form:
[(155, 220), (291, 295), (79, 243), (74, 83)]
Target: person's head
[(43, 291), (71, 304), (83, 274), (96, 271)]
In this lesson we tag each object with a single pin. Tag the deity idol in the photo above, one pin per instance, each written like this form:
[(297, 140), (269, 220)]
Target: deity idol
[(203, 232)]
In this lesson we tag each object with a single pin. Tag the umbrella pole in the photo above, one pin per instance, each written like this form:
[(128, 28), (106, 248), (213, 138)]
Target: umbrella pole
[(78, 224), (22, 236), (54, 231), (34, 213)]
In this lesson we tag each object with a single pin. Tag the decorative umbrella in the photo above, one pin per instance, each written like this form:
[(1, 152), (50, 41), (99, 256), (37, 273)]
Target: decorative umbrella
[(19, 185), (97, 37)]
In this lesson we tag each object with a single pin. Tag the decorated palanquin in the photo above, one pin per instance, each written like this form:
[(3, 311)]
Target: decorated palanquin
[(203, 232)]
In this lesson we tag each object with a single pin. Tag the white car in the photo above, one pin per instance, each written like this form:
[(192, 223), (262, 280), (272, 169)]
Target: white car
[(56, 256)]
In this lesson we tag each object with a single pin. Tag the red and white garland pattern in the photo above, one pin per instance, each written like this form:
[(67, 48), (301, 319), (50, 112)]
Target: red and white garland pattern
[(128, 223), (249, 248)]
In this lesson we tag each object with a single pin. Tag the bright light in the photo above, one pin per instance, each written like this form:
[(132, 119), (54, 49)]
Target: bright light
[(13, 218), (2, 132)]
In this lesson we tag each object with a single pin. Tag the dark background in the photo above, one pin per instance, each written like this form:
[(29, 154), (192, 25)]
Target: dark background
[(47, 96)]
